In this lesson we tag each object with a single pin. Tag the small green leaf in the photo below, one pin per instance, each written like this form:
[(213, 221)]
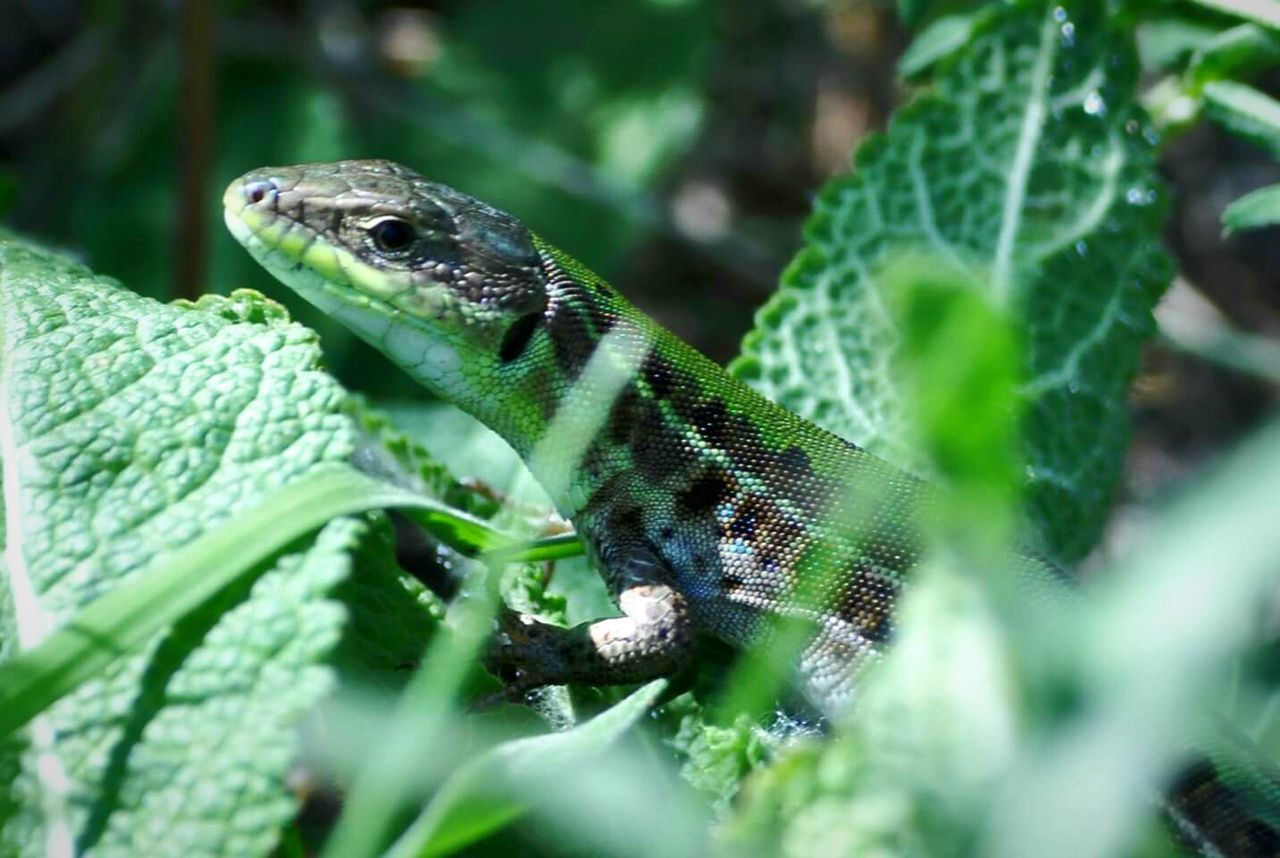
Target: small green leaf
[(494, 789), (1254, 210), (377, 791), (469, 448), (716, 757), (1245, 112), (1233, 52), (1191, 324), (933, 730), (940, 39)]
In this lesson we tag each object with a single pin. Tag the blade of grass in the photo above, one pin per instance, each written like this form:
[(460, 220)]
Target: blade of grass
[(481, 797), (123, 620), (557, 547), (420, 716), (1265, 12)]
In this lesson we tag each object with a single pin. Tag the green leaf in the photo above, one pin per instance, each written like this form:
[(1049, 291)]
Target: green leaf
[(1166, 43), (1245, 112), (385, 450), (139, 442), (938, 722), (1265, 12), (494, 789), (716, 757), (1233, 52), (1254, 210), (419, 720), (940, 39), (1027, 170), (958, 366), (391, 615)]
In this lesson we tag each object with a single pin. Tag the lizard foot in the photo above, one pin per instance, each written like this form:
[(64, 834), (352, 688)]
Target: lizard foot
[(525, 654)]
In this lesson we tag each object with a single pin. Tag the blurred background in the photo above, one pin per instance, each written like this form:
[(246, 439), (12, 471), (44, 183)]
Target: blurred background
[(672, 145)]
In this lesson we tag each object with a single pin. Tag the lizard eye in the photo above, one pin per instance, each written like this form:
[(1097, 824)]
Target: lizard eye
[(392, 235)]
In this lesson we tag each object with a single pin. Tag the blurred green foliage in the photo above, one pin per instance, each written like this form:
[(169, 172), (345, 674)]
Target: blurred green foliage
[(990, 715)]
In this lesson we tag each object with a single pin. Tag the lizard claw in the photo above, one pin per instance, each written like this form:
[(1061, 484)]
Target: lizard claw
[(523, 654)]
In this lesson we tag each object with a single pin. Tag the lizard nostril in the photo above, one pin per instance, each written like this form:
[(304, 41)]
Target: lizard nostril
[(257, 191)]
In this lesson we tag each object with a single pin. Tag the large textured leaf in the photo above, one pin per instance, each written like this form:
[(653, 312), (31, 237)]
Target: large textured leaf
[(1028, 169), (128, 429)]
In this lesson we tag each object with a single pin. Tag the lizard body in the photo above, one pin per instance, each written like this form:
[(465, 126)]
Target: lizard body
[(705, 506)]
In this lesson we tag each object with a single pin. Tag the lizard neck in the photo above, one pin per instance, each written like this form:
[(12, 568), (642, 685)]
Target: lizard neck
[(605, 404), (583, 368), (607, 409)]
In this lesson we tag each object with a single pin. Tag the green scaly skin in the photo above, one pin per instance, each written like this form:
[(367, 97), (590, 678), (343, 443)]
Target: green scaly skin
[(706, 507)]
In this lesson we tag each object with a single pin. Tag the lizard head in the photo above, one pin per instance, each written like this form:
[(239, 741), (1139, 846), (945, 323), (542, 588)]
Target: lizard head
[(448, 287)]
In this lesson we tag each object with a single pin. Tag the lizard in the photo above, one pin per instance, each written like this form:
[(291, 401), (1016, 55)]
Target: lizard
[(706, 507), (701, 502)]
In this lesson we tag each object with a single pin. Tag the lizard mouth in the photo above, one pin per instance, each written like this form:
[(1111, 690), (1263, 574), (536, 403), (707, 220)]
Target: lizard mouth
[(402, 322), (320, 270), (275, 239)]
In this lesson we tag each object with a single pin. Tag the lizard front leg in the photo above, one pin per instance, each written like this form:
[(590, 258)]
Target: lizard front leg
[(652, 638)]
